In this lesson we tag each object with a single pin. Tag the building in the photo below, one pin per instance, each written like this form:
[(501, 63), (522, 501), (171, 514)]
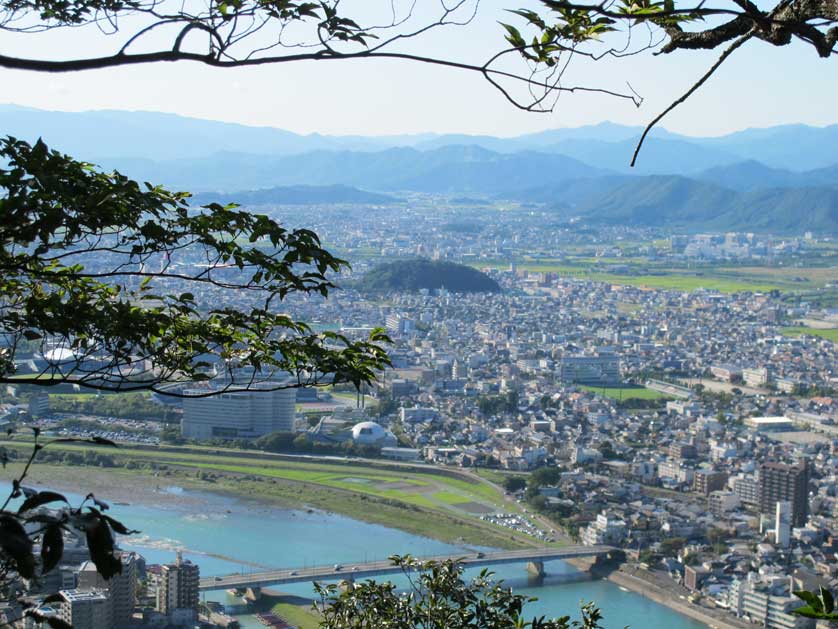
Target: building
[(782, 524), (720, 503), (418, 415), (39, 405), (604, 530), (402, 387), (397, 324), (178, 589), (766, 601), (372, 434), (756, 377), (779, 482), (694, 577), (725, 372), (85, 609), (706, 481), (682, 450), (590, 370), (746, 488), (121, 588), (238, 415), (769, 424)]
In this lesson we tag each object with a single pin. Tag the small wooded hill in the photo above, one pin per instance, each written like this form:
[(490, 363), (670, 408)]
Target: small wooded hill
[(413, 275)]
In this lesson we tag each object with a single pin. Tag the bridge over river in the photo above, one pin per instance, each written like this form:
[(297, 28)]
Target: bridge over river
[(535, 558)]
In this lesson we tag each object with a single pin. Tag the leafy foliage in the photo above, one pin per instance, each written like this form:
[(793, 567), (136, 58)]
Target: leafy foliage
[(27, 526), (820, 605), (102, 272), (438, 598), (514, 483)]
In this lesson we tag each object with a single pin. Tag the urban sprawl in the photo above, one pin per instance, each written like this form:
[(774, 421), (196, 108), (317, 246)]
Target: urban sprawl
[(694, 429)]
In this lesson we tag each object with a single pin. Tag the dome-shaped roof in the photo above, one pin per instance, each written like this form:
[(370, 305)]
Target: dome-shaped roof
[(370, 433), (367, 429)]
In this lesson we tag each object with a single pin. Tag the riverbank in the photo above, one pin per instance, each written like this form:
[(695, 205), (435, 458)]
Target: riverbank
[(644, 583), (135, 486), (297, 610)]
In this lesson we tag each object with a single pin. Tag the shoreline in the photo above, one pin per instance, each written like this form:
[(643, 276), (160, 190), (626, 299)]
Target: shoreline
[(653, 592), (148, 488)]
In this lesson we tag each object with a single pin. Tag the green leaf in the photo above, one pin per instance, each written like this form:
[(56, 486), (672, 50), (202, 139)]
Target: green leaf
[(828, 600)]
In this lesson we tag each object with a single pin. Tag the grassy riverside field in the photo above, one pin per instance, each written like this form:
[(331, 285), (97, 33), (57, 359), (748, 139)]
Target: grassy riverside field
[(300, 615), (416, 500), (294, 609)]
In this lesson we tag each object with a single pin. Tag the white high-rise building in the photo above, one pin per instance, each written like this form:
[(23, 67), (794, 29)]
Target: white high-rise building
[(782, 524), (238, 415)]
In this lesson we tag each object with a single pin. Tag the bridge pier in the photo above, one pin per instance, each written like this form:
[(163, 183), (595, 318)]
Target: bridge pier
[(536, 568), (579, 556), (347, 584)]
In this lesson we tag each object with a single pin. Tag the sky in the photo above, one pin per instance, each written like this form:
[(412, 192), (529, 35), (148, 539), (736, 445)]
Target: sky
[(758, 86)]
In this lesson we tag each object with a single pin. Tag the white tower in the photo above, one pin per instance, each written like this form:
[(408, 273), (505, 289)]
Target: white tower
[(782, 524)]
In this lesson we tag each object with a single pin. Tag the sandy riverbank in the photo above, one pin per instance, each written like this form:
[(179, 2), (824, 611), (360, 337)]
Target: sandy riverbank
[(113, 485)]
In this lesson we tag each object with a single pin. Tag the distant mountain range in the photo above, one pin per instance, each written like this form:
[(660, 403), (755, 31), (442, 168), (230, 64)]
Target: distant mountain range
[(101, 135), (776, 179), (297, 195)]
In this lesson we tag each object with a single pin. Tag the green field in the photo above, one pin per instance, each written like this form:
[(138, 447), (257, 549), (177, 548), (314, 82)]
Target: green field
[(828, 334), (444, 506), (296, 612), (626, 393), (643, 272)]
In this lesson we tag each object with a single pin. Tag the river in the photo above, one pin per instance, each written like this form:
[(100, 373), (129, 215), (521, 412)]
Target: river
[(225, 535)]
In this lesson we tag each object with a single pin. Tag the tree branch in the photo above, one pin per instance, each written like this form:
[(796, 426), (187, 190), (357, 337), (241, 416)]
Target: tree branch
[(730, 49)]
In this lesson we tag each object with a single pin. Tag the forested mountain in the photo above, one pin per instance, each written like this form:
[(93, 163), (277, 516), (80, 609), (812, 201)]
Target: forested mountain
[(668, 201), (451, 169), (658, 200), (413, 275)]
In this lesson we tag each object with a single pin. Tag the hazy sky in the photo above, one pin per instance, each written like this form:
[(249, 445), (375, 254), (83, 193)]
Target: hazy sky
[(759, 86)]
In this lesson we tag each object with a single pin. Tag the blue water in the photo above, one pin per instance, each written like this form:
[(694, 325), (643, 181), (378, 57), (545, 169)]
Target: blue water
[(225, 535)]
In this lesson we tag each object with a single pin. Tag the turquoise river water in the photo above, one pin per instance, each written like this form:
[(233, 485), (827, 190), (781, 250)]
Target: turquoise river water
[(225, 535)]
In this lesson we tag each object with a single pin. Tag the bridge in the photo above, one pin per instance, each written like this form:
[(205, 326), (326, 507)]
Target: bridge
[(534, 558)]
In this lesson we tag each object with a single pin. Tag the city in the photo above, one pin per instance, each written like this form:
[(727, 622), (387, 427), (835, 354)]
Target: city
[(418, 314), (693, 429)]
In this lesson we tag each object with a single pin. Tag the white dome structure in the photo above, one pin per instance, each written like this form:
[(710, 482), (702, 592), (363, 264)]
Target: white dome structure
[(372, 434)]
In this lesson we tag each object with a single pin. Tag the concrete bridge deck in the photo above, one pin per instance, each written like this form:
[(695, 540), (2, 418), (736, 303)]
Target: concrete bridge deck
[(376, 568)]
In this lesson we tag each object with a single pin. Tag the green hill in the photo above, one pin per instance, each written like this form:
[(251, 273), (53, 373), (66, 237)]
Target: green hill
[(413, 275)]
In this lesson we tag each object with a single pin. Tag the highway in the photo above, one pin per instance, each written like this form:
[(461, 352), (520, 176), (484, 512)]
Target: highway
[(376, 568)]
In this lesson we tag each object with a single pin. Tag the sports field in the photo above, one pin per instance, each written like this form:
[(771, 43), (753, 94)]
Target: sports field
[(627, 393)]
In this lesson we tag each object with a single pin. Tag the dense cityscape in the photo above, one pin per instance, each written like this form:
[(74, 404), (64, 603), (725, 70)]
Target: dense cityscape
[(692, 428)]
